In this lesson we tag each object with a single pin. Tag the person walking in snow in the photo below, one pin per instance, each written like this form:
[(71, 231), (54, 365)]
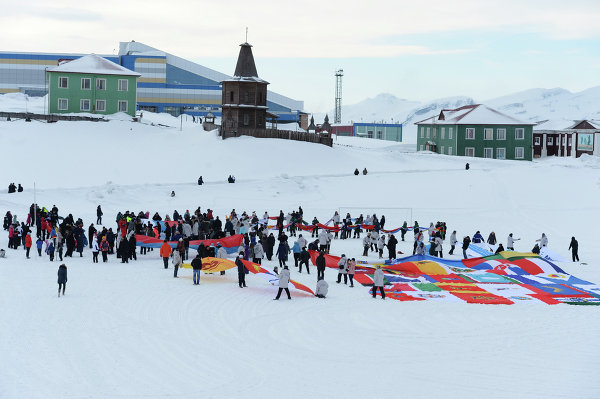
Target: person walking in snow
[(62, 278), (351, 271), (343, 269), (418, 240), (284, 280), (196, 266), (95, 249), (378, 279), (574, 247), (165, 253), (381, 245), (39, 243), (176, 263), (465, 246), (453, 242), (438, 244), (28, 244), (99, 214), (366, 244)]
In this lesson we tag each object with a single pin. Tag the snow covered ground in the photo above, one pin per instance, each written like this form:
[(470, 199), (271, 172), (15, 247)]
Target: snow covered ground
[(133, 331)]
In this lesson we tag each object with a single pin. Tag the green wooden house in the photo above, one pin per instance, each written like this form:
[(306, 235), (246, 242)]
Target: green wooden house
[(476, 131), (91, 84)]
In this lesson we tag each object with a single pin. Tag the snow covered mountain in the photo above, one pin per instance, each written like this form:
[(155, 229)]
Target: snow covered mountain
[(531, 105)]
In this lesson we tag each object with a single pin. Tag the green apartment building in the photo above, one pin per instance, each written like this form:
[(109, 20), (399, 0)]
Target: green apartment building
[(91, 84), (476, 131)]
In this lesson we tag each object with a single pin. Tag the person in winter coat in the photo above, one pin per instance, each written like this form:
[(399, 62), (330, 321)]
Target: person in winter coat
[(453, 242), (420, 249), (284, 280), (465, 246), (28, 244), (282, 255), (322, 288), (320, 265), (366, 244), (259, 253), (241, 270), (104, 248), (543, 241), (270, 244), (62, 278), (196, 266), (124, 250), (438, 245), (351, 271), (91, 231), (365, 171), (536, 249), (165, 253), (38, 244), (477, 238), (296, 249), (99, 214), (381, 245), (403, 230), (50, 249), (132, 246), (574, 247), (200, 181), (499, 249), (510, 242), (304, 258), (356, 172), (418, 240), (378, 282), (343, 269), (176, 263), (492, 239), (95, 250)]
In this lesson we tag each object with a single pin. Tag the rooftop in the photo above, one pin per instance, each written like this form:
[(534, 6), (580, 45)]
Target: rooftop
[(93, 64), (477, 114)]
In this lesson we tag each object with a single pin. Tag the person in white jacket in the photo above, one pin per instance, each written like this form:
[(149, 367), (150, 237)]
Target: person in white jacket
[(543, 241), (453, 242), (343, 269), (381, 245), (366, 244), (176, 262), (95, 249), (284, 280), (374, 240), (259, 253), (438, 245), (510, 242), (322, 288), (302, 241), (378, 282), (323, 241)]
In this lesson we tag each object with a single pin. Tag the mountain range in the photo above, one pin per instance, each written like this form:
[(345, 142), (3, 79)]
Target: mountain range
[(534, 105)]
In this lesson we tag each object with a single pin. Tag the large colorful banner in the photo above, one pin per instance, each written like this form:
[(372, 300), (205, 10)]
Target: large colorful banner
[(213, 265), (506, 278), (231, 243)]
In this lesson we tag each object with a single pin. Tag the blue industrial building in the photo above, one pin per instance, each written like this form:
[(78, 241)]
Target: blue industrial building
[(167, 84)]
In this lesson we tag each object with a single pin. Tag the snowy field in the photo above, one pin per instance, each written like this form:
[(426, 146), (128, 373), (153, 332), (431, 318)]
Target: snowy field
[(133, 331)]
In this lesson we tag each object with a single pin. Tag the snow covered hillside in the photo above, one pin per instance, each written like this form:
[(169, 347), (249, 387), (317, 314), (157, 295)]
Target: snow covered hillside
[(132, 330)]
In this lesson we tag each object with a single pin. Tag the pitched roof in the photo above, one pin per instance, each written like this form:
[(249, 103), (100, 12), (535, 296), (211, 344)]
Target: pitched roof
[(477, 114), (245, 69), (93, 64)]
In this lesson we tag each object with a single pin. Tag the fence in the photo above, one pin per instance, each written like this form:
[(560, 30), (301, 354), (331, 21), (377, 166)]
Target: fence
[(48, 118), (280, 134)]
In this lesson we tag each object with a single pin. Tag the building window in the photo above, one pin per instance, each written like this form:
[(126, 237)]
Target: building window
[(570, 140), (84, 105), (428, 132), (519, 133), (488, 134), (380, 135), (86, 83), (441, 149), (470, 133), (450, 131), (537, 140), (469, 151), (370, 134), (519, 153), (100, 105), (449, 150), (100, 84), (421, 147), (422, 132), (246, 119), (63, 83), (63, 104), (123, 84), (231, 96), (443, 133), (434, 132), (123, 106), (550, 140), (488, 153), (246, 97), (500, 153), (260, 97), (501, 134), (564, 140)]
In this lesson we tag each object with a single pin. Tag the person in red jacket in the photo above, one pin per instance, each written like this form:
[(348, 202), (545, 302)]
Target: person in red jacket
[(165, 253), (123, 227), (28, 244)]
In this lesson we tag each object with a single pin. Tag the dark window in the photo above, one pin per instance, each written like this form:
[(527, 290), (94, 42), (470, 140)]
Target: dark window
[(246, 119), (246, 97), (260, 97), (231, 96)]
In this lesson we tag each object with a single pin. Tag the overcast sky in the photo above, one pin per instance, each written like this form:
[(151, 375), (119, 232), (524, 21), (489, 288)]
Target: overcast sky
[(411, 49)]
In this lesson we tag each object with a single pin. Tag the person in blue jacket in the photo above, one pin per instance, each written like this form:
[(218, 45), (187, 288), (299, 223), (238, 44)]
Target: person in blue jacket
[(296, 251), (477, 238), (38, 245)]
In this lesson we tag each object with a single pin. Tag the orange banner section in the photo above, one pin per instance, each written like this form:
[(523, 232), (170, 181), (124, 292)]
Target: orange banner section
[(213, 265)]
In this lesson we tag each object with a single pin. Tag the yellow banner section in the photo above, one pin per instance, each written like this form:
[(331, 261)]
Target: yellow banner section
[(511, 254), (213, 265)]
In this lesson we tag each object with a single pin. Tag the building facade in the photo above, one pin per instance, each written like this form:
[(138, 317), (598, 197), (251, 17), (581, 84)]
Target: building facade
[(91, 84), (380, 131), (168, 83), (476, 131), (552, 138)]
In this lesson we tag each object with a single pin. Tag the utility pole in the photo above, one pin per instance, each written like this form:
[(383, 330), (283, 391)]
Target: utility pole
[(337, 117)]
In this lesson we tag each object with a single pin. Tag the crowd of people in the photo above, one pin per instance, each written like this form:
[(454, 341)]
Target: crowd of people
[(64, 236)]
